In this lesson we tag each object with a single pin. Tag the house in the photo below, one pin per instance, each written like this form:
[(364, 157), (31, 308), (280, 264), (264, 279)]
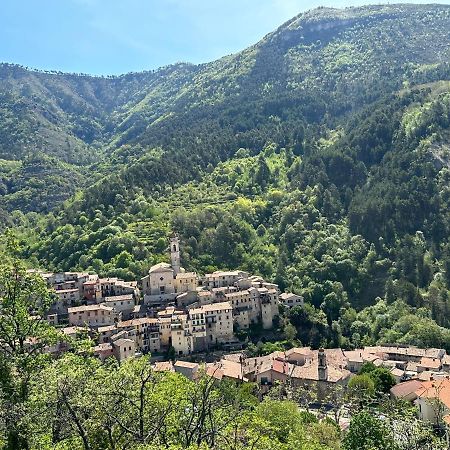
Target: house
[(219, 322), (356, 359), (406, 390), (222, 278), (123, 349), (321, 369), (65, 298), (432, 364), (398, 374), (121, 303), (433, 400), (188, 369), (289, 300), (446, 363), (405, 353), (146, 331), (92, 290), (226, 369), (93, 315), (103, 351), (185, 282)]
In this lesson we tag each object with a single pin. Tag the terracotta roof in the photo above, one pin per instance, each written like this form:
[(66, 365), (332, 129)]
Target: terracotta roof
[(290, 296), (360, 355), (219, 273), (103, 347), (204, 293), (163, 366), (411, 366), (397, 372), (135, 322), (311, 372), (430, 363), (426, 375), (226, 368), (72, 330), (211, 308), (186, 275), (237, 293), (305, 351), (406, 351), (406, 388), (436, 389), (106, 328), (187, 364)]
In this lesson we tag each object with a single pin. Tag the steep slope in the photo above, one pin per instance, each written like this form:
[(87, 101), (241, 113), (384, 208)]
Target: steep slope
[(312, 72), (318, 157), (315, 69)]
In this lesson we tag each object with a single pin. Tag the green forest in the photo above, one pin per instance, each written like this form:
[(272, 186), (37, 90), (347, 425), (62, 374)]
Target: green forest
[(319, 158), (77, 402)]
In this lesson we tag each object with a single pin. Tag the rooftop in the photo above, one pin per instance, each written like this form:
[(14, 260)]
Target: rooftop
[(84, 308), (406, 388), (436, 389), (119, 298), (430, 363), (161, 267), (186, 364), (123, 341)]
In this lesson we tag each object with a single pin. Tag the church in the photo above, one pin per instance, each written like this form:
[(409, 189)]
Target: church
[(165, 282)]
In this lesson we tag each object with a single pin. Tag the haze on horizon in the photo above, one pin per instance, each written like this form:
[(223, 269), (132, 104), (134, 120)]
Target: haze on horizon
[(115, 37)]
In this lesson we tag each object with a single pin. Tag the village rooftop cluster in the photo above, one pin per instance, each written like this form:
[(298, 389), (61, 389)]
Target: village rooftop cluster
[(174, 309), (169, 309)]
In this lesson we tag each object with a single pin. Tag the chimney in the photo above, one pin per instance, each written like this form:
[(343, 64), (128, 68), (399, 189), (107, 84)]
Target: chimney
[(322, 365)]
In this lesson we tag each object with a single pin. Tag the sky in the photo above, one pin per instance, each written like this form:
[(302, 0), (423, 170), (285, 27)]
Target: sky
[(106, 37)]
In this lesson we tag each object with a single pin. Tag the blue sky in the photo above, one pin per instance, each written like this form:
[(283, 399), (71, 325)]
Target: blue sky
[(118, 36)]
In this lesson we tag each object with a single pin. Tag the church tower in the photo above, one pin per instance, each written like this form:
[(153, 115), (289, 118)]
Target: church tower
[(323, 369), (175, 253)]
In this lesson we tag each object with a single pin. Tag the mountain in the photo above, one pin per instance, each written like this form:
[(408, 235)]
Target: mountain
[(319, 65), (319, 158)]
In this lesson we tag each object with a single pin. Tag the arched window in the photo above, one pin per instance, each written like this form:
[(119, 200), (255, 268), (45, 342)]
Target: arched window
[(174, 247)]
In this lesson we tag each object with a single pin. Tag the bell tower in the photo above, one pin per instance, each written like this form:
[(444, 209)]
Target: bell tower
[(175, 253), (322, 366)]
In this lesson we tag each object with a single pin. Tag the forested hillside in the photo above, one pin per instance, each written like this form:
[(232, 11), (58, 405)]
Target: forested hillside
[(318, 157)]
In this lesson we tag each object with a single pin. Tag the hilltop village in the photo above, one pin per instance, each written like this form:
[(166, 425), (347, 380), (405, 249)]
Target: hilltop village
[(169, 308), (178, 316)]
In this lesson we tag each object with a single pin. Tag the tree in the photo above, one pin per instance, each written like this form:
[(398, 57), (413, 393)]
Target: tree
[(366, 432), (282, 416), (361, 389), (24, 335), (383, 379), (65, 400), (289, 331)]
